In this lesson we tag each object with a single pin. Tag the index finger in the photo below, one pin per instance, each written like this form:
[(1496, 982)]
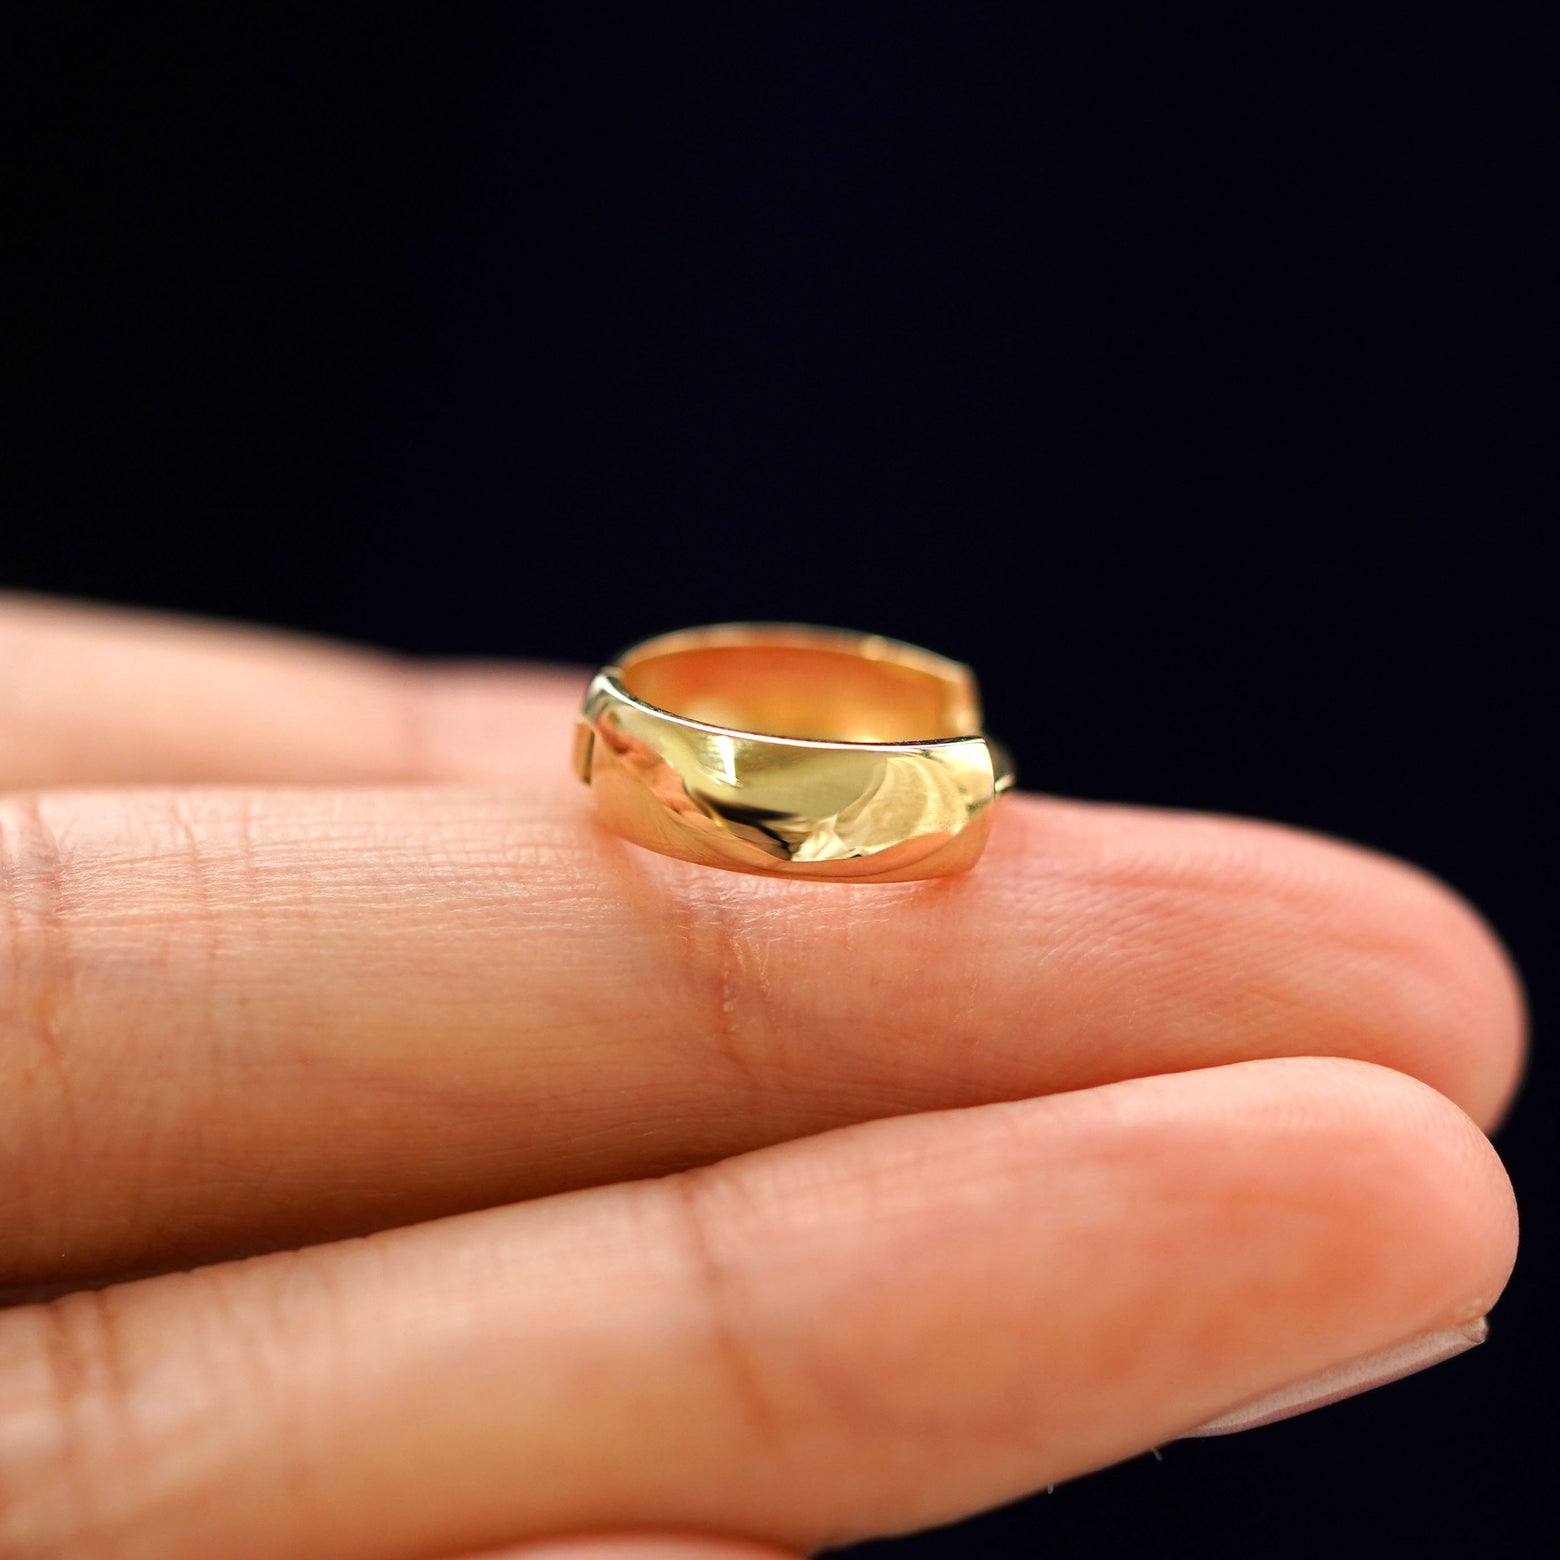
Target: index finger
[(234, 1018)]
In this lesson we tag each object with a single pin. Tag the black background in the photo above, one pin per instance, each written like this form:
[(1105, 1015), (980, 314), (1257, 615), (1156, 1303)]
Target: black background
[(1165, 364)]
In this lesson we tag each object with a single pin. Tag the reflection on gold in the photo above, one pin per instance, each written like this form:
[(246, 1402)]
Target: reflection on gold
[(794, 805)]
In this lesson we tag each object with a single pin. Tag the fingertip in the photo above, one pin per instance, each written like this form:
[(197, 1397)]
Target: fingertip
[(1433, 1210), (1247, 938), (1473, 998)]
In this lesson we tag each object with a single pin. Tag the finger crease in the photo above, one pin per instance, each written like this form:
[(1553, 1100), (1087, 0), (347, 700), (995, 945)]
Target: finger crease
[(713, 940), (84, 1351), (32, 885), (719, 1292)]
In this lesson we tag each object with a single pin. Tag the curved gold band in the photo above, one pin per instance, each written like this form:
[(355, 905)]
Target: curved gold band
[(793, 751)]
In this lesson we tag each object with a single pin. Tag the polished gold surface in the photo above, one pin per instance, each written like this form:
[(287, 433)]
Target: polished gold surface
[(794, 752)]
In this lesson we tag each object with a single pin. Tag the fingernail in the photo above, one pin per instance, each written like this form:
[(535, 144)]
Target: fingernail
[(1346, 1381)]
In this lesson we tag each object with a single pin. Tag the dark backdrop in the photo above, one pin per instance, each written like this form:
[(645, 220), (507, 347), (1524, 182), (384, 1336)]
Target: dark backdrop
[(1165, 365)]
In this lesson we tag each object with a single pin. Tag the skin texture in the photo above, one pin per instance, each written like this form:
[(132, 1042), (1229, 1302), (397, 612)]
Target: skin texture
[(812, 1212)]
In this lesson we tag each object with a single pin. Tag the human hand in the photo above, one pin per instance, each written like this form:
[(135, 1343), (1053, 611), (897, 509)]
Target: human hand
[(1003, 1178)]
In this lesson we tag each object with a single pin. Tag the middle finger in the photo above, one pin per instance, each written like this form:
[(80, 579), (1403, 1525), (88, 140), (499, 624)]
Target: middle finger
[(238, 1019)]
